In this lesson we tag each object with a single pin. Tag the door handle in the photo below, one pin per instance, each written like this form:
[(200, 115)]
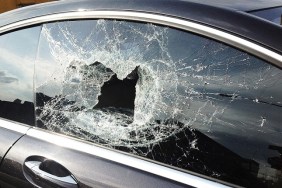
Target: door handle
[(43, 172)]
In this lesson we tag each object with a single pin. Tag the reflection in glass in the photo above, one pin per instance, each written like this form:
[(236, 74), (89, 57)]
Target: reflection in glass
[(17, 56), (164, 94)]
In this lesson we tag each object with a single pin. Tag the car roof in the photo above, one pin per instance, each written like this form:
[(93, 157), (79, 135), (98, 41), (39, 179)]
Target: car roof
[(241, 5), (225, 17)]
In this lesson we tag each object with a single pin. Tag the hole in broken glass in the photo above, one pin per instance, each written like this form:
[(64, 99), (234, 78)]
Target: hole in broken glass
[(118, 93)]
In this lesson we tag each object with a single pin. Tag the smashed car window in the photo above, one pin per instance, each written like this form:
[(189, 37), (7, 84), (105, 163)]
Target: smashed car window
[(164, 94)]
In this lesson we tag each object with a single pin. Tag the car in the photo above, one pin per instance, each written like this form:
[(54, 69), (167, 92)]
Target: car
[(163, 93)]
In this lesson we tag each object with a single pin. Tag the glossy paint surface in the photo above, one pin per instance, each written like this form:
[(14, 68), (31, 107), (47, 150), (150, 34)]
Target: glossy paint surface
[(90, 171), (9, 134), (7, 139)]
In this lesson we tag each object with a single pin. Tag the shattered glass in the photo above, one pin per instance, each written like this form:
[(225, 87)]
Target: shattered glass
[(164, 94)]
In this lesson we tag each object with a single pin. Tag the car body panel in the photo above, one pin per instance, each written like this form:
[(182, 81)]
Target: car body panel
[(7, 139), (9, 134), (106, 169)]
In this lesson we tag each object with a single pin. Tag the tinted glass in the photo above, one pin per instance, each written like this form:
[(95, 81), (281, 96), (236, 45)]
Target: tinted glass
[(164, 94), (17, 56), (274, 14)]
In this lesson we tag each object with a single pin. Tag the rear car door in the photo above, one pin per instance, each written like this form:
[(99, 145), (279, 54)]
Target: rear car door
[(120, 103)]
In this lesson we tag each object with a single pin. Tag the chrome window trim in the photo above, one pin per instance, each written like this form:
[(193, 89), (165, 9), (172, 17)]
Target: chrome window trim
[(10, 125), (125, 159), (217, 34)]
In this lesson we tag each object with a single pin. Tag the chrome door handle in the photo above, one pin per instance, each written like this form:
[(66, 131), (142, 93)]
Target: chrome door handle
[(37, 175)]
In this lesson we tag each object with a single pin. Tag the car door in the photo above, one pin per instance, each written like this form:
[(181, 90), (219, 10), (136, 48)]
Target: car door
[(120, 103)]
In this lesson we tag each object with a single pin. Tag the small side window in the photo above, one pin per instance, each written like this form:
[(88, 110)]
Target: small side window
[(272, 14), (17, 56), (163, 94)]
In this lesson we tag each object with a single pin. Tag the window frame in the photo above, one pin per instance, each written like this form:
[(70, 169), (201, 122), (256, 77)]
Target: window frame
[(251, 47)]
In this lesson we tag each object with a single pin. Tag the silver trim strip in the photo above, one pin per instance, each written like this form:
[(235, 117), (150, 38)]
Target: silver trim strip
[(233, 40), (124, 159), (13, 126)]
